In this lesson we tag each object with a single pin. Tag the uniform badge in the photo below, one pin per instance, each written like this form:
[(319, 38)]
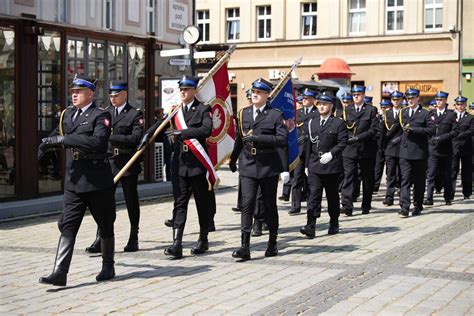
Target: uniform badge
[(106, 122), (141, 121), (433, 118)]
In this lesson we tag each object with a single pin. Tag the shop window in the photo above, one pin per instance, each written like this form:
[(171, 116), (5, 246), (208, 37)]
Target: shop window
[(49, 109), (7, 113), (96, 63), (116, 62), (264, 22), (357, 17), (309, 19), (203, 23), (233, 24)]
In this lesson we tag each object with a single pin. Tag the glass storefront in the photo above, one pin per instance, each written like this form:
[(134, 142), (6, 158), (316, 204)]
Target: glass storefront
[(49, 109), (7, 113), (136, 70)]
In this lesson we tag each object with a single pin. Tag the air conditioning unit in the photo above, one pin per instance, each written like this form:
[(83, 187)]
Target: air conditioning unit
[(159, 161)]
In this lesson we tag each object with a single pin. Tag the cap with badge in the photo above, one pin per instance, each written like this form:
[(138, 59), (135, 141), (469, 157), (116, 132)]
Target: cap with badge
[(117, 87), (188, 82), (412, 93), (432, 103), (441, 95), (460, 99), (396, 95), (262, 85), (346, 97), (471, 106), (307, 93), (404, 103), (299, 98), (368, 99), (325, 97), (385, 103), (79, 83), (248, 94), (358, 89)]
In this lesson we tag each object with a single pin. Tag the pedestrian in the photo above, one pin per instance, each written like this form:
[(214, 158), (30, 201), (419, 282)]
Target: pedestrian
[(299, 186), (88, 181), (462, 148), (361, 122), (261, 131), (126, 133), (441, 149), (391, 144), (327, 138), (418, 126)]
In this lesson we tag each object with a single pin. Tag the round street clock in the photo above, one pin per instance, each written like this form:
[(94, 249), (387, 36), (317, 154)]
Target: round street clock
[(191, 34)]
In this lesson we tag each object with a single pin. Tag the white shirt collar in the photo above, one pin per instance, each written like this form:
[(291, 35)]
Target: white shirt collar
[(83, 109), (120, 108), (308, 109), (255, 109), (188, 105), (440, 112)]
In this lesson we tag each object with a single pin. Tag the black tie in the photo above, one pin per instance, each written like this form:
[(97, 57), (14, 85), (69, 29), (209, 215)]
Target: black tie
[(116, 112), (323, 122), (78, 113), (258, 113), (307, 111)]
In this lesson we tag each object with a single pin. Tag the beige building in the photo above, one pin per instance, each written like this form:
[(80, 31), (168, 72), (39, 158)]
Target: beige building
[(389, 44)]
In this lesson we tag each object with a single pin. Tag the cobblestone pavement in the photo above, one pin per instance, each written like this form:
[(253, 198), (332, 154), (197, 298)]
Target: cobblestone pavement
[(380, 264)]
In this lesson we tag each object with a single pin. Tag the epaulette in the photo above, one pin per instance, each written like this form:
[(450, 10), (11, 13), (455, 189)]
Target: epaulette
[(70, 107), (299, 124), (108, 107), (276, 109)]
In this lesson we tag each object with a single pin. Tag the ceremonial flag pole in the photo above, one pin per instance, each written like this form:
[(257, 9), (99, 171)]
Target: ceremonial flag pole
[(225, 58), (282, 98)]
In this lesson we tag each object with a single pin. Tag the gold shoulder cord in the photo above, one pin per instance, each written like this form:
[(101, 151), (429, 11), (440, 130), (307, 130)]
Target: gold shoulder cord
[(241, 125), (385, 121), (400, 118), (344, 116), (61, 129)]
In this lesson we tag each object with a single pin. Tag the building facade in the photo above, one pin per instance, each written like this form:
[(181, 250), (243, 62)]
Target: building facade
[(389, 44), (44, 43)]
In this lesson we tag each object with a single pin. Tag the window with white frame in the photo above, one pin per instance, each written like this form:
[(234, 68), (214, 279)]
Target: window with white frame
[(150, 16), (233, 24), (309, 19), (203, 23), (357, 17), (107, 14), (62, 9), (394, 15), (264, 22), (433, 15)]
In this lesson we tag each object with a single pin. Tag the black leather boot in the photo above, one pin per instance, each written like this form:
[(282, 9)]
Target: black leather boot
[(132, 244), (176, 250), (95, 247), (272, 249), (108, 251), (310, 228), (333, 227), (61, 263), (244, 251), (202, 244), (257, 228)]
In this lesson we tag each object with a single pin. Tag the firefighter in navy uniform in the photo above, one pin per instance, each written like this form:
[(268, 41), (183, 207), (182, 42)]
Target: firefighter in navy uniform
[(462, 148), (127, 131), (261, 131), (327, 137), (391, 144), (441, 149), (380, 157), (84, 132), (346, 100), (361, 121), (418, 126), (299, 187)]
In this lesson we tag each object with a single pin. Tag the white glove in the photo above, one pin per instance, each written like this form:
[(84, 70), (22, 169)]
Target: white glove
[(306, 171), (285, 177), (325, 158)]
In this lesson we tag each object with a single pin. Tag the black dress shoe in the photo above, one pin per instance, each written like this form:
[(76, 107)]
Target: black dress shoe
[(131, 246), (467, 197), (175, 251), (236, 209), (272, 250), (365, 211), (308, 230), (388, 202), (448, 202), (264, 227), (333, 230), (404, 212), (416, 212), (169, 223), (428, 202), (257, 229), (294, 212), (284, 198), (95, 247), (56, 277), (347, 212), (243, 254), (201, 247)]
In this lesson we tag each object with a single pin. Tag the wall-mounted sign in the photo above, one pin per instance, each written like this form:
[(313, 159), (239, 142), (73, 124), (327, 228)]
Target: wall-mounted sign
[(427, 88), (178, 15)]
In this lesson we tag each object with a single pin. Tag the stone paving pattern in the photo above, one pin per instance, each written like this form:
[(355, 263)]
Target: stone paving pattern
[(380, 264)]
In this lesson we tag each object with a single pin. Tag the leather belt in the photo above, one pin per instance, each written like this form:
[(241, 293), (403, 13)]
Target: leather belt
[(77, 155), (257, 151), (121, 151)]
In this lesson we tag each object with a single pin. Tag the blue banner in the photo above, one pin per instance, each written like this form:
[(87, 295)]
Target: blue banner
[(285, 102)]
